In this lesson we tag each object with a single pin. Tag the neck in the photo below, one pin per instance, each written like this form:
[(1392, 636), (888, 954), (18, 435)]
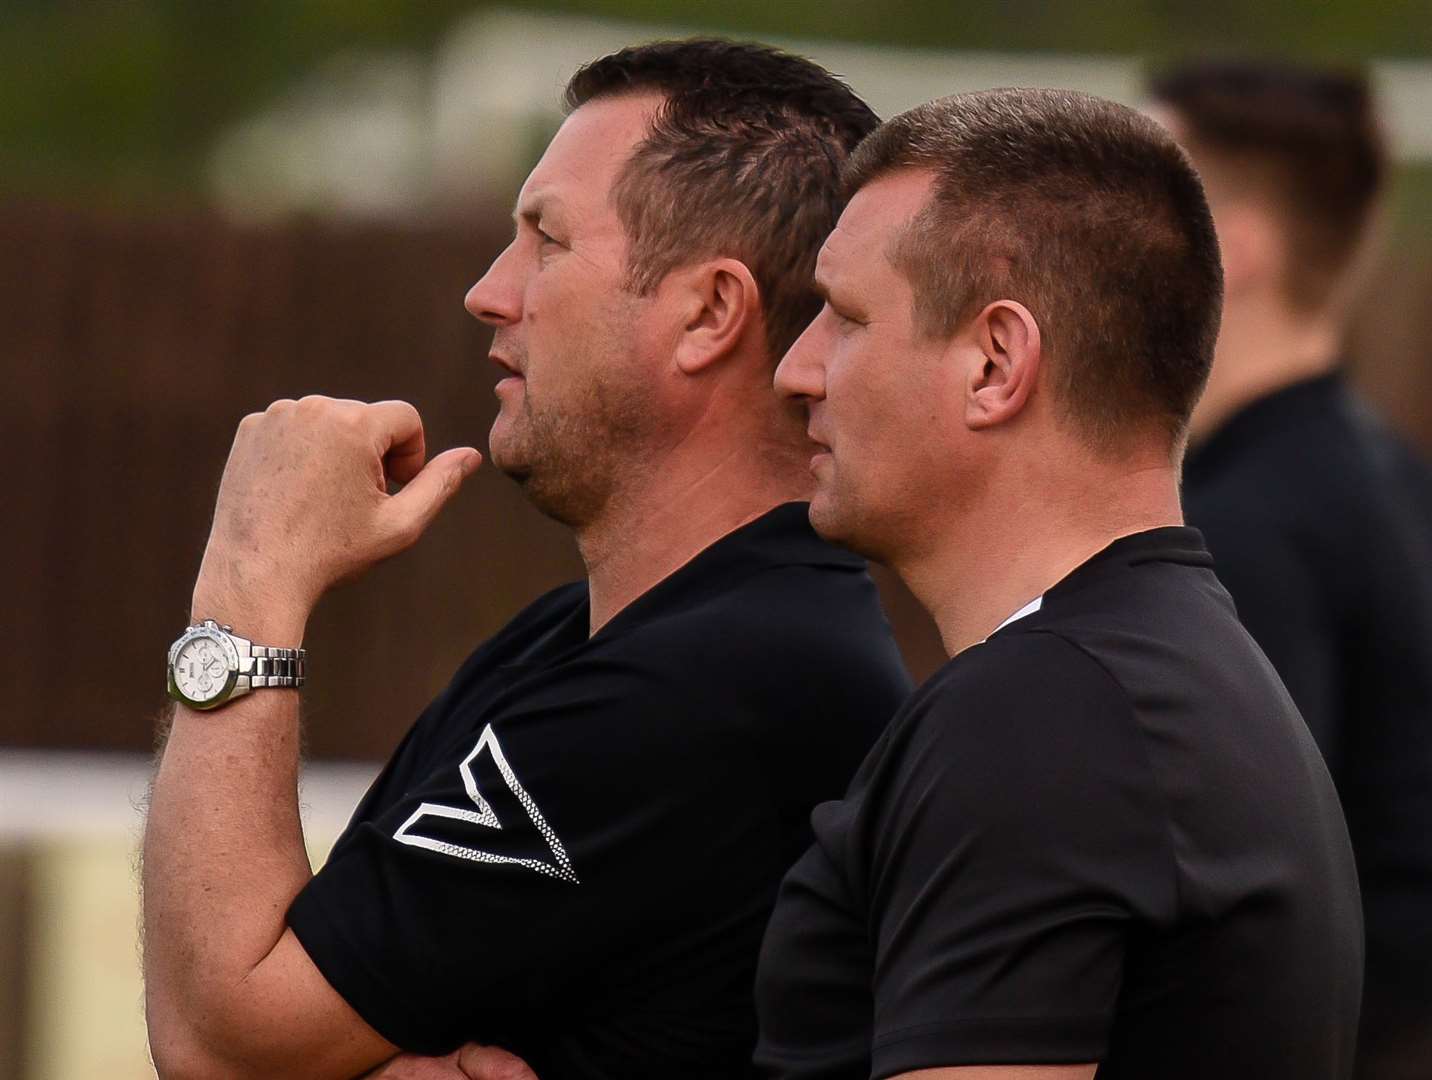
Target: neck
[(1263, 348), (698, 494), (976, 577)]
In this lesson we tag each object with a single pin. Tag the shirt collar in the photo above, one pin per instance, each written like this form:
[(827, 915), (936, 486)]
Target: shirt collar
[(1178, 544), (1028, 609), (782, 536)]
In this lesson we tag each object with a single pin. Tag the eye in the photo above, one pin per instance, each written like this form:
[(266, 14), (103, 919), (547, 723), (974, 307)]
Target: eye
[(547, 246)]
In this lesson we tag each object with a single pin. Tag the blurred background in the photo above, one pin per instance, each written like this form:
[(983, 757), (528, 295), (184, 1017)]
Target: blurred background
[(207, 206)]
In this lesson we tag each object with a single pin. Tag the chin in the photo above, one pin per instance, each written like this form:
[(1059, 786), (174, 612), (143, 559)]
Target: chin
[(504, 448), (831, 523), (505, 462), (846, 524)]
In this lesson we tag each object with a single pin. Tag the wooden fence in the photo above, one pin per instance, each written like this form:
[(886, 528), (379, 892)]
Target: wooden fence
[(132, 347), (133, 344)]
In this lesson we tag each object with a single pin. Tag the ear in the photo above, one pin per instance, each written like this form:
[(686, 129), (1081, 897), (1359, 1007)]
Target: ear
[(1002, 357), (1249, 243), (721, 304)]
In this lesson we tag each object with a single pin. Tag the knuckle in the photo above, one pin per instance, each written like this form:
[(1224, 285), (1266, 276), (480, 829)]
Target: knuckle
[(281, 406), (351, 417), (406, 408)]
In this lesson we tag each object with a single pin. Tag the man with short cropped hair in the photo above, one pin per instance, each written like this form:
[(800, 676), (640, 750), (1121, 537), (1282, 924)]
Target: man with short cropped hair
[(574, 851), (1100, 839), (1318, 516)]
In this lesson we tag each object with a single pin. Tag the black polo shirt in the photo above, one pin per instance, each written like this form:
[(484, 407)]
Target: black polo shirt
[(1320, 523), (1104, 834), (575, 850)]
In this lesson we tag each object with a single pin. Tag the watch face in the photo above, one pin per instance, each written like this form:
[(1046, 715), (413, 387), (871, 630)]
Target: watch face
[(201, 668)]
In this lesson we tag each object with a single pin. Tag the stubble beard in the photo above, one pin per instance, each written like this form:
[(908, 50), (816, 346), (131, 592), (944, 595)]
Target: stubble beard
[(832, 518), (572, 462), (840, 516)]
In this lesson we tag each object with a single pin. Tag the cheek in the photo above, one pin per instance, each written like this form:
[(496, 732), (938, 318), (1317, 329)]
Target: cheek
[(569, 297), (864, 394), (555, 324), (886, 405)]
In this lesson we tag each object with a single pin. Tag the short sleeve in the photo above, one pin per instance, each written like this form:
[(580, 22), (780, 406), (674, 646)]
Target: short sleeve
[(582, 820), (1018, 839)]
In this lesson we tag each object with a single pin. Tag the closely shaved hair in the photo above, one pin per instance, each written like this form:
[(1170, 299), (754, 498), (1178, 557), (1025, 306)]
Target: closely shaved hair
[(1307, 140), (743, 159), (1087, 213)]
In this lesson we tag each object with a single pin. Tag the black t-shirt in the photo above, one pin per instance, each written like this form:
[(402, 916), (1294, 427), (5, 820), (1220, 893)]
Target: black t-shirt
[(1320, 524), (1104, 834), (575, 850)]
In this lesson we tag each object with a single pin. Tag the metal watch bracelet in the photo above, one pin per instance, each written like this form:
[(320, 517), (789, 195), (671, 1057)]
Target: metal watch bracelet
[(276, 667)]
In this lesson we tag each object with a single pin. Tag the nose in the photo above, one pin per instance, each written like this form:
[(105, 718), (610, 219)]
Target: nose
[(801, 373), (496, 299)]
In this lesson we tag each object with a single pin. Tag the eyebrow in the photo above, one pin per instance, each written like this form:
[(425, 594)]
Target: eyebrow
[(540, 205), (848, 306), (820, 288), (826, 291)]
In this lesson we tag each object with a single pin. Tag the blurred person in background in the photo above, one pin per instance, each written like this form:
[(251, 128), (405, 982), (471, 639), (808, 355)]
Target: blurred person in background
[(574, 851), (1320, 518), (1101, 838)]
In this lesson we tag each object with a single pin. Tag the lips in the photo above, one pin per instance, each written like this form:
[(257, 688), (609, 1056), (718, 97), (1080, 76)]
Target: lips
[(820, 450), (511, 377), (504, 364)]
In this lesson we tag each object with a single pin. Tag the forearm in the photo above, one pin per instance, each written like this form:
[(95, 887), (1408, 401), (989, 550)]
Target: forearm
[(303, 505), (223, 855)]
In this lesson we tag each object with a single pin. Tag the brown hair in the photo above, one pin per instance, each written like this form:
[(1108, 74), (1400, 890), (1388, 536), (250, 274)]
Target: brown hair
[(1087, 213), (1306, 139), (743, 159)]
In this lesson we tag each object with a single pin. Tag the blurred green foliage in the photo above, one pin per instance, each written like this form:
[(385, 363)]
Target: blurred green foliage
[(120, 98)]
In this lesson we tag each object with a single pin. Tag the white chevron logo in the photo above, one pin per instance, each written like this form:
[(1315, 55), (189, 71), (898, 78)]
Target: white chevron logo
[(560, 867)]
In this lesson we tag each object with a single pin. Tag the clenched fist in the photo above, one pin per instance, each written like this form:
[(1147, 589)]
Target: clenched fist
[(304, 505)]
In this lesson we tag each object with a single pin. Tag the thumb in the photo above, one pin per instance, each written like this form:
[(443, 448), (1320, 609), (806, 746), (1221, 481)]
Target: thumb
[(492, 1063), (412, 510)]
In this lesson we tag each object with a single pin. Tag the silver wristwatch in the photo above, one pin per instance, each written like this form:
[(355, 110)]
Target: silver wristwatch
[(210, 665)]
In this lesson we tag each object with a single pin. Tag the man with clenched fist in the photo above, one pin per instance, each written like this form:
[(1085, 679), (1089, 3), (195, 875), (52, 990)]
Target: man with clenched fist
[(573, 852)]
